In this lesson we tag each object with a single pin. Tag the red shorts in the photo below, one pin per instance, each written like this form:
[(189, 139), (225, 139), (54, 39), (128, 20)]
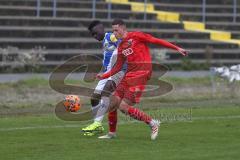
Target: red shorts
[(131, 88)]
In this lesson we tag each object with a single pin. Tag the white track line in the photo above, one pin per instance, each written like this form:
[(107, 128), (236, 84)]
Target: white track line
[(39, 127), (120, 123)]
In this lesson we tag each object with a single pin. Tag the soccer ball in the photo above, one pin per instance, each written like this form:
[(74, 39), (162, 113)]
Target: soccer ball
[(72, 103)]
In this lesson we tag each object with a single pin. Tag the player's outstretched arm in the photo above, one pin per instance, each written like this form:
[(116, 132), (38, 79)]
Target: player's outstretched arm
[(150, 39), (168, 45)]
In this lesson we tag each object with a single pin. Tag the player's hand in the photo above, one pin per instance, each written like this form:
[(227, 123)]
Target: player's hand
[(99, 76), (183, 51)]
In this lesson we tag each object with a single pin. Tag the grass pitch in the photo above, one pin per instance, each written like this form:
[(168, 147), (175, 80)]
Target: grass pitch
[(208, 134), (195, 127)]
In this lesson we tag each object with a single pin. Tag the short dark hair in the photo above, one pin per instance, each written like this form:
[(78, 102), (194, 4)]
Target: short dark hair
[(118, 22), (93, 24)]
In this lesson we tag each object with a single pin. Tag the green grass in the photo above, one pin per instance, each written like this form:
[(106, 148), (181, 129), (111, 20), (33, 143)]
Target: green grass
[(191, 80), (196, 126), (38, 81), (211, 133)]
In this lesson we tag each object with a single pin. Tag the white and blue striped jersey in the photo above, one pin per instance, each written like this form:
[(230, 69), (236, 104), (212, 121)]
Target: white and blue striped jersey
[(110, 44)]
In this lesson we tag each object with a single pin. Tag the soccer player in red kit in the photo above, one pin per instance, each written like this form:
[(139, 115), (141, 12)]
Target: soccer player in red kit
[(134, 51)]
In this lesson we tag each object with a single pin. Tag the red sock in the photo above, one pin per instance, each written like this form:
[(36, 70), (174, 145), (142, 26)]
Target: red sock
[(112, 121), (139, 115)]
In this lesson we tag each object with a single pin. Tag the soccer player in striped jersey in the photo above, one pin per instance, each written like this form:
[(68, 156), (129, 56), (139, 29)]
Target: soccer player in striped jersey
[(100, 97)]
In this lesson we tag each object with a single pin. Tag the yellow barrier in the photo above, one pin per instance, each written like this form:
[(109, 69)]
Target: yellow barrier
[(193, 26), (175, 18), (118, 1), (167, 16), (140, 7)]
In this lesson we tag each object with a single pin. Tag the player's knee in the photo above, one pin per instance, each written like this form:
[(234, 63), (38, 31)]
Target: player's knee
[(95, 99), (109, 87), (125, 105), (123, 108)]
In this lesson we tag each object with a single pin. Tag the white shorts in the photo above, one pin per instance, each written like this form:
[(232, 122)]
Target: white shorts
[(101, 84)]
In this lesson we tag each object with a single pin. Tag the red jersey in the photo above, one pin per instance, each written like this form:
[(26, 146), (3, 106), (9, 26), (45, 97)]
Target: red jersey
[(135, 52)]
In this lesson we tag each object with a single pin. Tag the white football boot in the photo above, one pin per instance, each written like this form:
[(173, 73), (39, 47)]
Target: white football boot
[(110, 135), (154, 124)]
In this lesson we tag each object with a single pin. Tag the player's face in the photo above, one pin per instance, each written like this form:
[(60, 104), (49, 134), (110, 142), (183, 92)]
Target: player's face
[(98, 32), (118, 31)]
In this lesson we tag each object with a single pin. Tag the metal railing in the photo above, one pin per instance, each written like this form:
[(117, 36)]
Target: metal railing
[(234, 11), (204, 12), (39, 6), (109, 9)]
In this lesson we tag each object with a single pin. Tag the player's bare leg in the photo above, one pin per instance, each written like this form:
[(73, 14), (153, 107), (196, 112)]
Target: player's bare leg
[(126, 106), (100, 108)]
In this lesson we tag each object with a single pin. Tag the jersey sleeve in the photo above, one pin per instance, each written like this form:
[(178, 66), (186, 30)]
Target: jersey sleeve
[(144, 37), (116, 68)]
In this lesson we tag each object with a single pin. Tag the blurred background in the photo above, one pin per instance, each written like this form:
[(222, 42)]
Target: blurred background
[(36, 36), (39, 35)]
